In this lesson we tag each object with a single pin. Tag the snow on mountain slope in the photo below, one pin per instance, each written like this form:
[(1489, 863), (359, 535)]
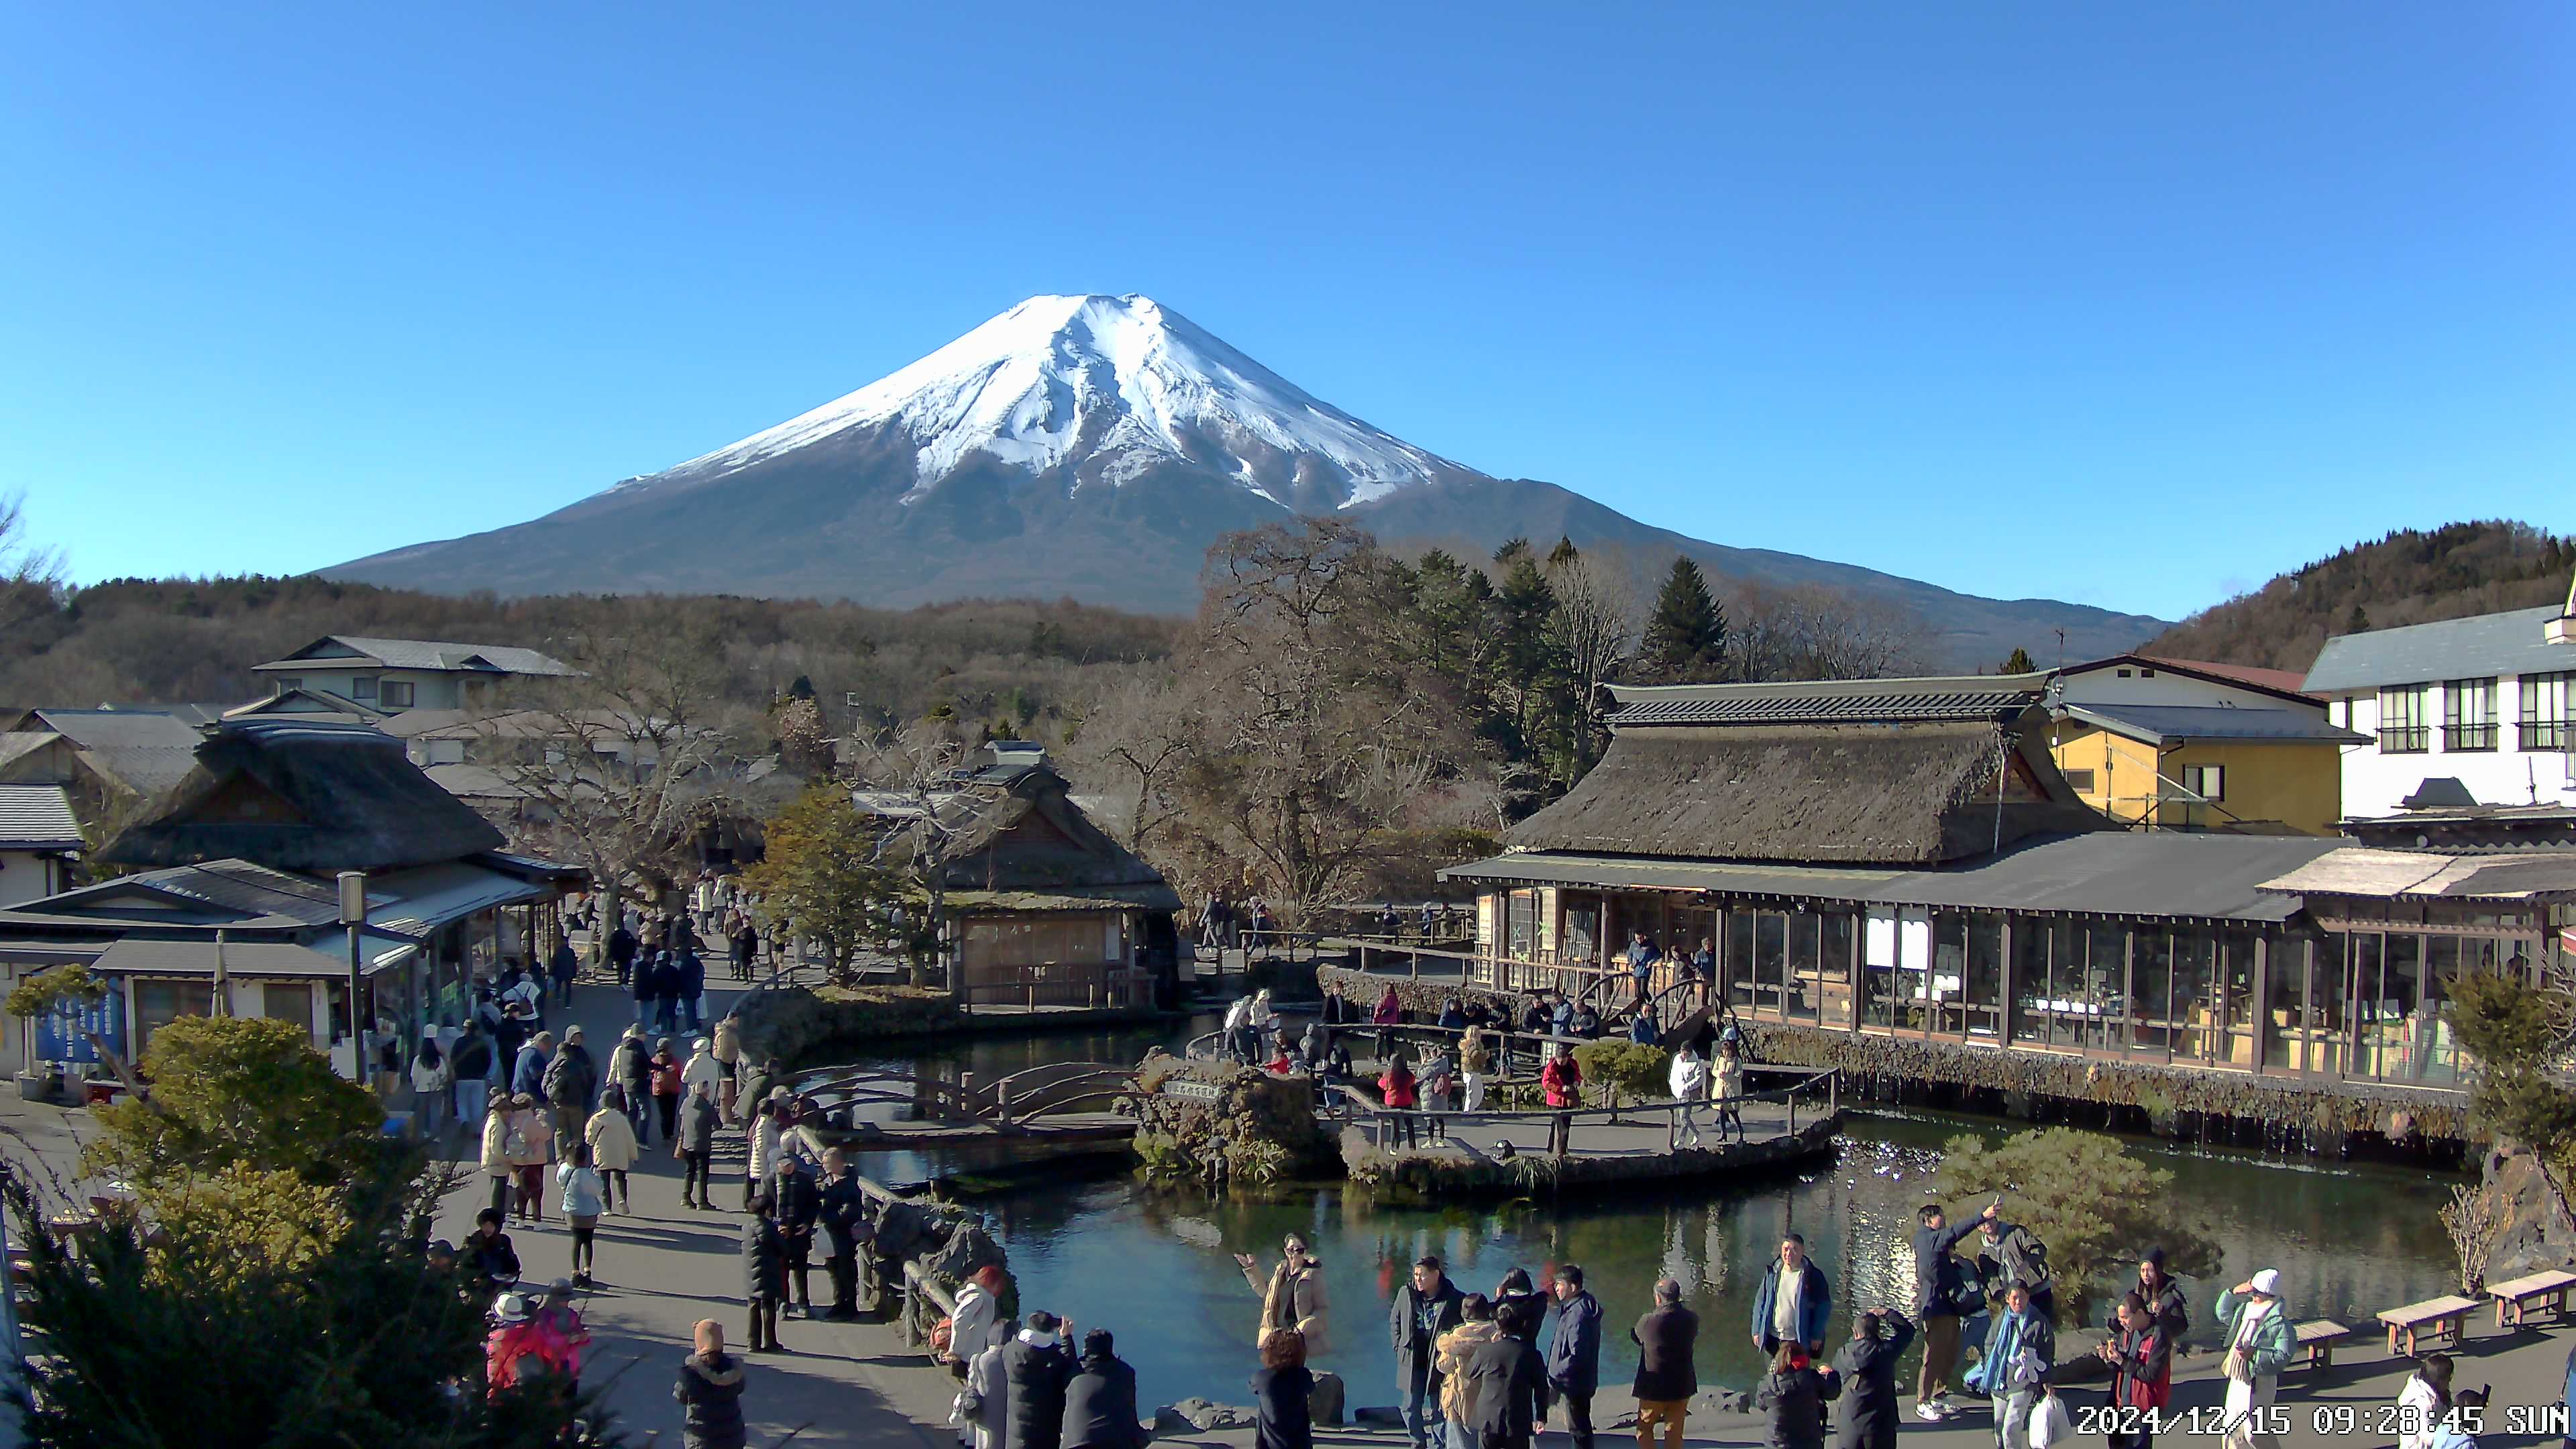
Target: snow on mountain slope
[(1111, 386)]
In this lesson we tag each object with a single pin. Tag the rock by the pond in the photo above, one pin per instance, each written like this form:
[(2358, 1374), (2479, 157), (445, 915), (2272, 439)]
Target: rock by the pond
[(1377, 1418), (1202, 1415), (1324, 1402), (1709, 1402)]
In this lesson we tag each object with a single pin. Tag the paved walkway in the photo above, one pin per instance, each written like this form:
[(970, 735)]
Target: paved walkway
[(666, 1266)]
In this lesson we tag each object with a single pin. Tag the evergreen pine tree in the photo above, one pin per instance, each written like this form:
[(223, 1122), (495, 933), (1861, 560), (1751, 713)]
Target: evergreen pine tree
[(2017, 662), (1685, 637), (2358, 622)]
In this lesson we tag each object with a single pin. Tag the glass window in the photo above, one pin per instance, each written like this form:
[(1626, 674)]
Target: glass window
[(1521, 924), (1806, 981), (1983, 997), (1770, 962), (2105, 986), (2032, 941), (363, 687), (2151, 992), (1835, 934), (1739, 960), (2469, 715), (2196, 1015), (2209, 782), (2080, 781), (159, 1003), (1582, 928), (2544, 710), (2405, 728), (397, 694)]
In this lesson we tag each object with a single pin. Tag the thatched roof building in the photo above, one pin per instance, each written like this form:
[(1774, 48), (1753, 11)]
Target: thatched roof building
[(304, 795), (1048, 907), (1906, 772)]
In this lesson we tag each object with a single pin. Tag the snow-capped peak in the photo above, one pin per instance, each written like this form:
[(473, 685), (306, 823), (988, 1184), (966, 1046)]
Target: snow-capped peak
[(1121, 379)]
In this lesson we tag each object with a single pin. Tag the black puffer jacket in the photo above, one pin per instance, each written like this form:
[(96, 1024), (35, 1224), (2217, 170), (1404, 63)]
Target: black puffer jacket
[(710, 1395), (1034, 1381), (1868, 1383), (764, 1260), (1100, 1406), (1796, 1401)]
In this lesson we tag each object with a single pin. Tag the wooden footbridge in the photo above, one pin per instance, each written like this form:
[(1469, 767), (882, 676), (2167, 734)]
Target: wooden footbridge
[(1057, 1102)]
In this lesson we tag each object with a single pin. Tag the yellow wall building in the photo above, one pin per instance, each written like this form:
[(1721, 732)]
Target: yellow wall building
[(2182, 745)]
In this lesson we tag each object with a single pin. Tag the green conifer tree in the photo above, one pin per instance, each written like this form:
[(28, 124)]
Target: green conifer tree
[(1685, 636), (2017, 662)]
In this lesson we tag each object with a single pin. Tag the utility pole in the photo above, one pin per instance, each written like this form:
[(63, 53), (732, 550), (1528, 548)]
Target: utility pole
[(353, 914)]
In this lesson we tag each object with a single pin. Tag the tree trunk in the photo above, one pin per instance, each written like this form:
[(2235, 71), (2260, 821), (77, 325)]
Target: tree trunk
[(612, 913)]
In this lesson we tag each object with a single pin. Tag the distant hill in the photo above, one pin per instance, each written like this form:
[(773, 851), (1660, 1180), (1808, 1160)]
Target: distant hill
[(2412, 576)]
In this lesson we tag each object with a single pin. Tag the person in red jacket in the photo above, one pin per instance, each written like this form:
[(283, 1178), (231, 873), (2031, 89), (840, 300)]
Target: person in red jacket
[(1397, 1085), (1561, 1080), (2141, 1357)]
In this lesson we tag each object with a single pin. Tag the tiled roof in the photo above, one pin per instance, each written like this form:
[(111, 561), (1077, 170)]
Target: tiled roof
[(37, 817), (2473, 648), (2157, 723), (421, 654), (1840, 701)]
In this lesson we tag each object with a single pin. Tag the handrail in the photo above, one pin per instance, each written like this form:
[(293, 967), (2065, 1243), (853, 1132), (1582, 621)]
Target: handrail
[(1777, 1094)]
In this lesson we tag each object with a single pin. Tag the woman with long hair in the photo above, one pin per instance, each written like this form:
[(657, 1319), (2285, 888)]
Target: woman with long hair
[(1292, 1294)]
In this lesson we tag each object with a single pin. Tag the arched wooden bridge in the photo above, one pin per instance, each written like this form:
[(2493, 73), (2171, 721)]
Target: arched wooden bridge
[(1068, 1100)]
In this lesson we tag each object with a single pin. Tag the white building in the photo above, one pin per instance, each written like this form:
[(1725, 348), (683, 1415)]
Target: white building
[(393, 675), (2483, 701)]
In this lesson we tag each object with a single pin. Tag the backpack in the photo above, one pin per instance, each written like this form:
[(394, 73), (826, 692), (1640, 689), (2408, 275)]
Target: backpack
[(558, 1078)]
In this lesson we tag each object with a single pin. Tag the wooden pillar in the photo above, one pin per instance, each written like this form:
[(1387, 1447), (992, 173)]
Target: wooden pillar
[(1858, 973), (2004, 997), (2128, 982), (2258, 1019)]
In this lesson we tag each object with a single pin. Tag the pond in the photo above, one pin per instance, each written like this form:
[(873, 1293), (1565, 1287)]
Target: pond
[(1156, 1267)]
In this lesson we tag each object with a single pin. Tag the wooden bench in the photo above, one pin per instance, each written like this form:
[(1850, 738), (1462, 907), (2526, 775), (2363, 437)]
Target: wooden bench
[(2513, 1300), (2442, 1316), (2317, 1337)]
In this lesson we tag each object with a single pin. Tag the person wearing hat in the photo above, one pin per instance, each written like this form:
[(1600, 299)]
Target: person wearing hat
[(2259, 1342), (727, 1051), (630, 1068), (694, 1143), (704, 1070), (488, 1249), (572, 1084), (561, 1335), (710, 1392), (514, 1351)]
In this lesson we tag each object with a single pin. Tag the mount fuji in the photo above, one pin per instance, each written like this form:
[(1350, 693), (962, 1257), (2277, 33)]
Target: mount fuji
[(1093, 447)]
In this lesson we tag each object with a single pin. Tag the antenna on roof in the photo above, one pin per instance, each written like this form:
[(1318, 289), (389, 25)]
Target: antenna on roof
[(2061, 648)]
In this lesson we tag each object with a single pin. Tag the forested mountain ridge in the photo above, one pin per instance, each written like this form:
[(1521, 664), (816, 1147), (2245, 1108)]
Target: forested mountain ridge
[(2409, 576), (172, 641)]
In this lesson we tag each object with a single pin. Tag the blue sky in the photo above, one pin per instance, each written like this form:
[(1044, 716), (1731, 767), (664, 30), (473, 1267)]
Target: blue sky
[(2128, 306)]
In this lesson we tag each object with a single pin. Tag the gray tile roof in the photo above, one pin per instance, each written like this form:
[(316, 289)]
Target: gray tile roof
[(2474, 648), (1830, 701), (421, 654), (2158, 723), (37, 817), (2112, 873), (146, 750)]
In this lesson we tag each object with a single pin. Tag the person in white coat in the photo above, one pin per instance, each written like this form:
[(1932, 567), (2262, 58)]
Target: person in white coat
[(1690, 1088)]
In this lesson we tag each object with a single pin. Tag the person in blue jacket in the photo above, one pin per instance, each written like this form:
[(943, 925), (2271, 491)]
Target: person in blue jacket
[(1793, 1302)]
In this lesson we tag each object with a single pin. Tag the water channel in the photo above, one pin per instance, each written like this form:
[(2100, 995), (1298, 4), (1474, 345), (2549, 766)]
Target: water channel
[(1156, 1267)]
